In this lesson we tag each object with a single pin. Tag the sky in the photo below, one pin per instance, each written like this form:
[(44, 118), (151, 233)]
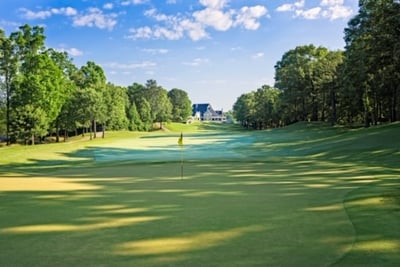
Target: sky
[(215, 50)]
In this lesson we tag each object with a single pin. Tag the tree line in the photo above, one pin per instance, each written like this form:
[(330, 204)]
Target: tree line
[(42, 92), (360, 85)]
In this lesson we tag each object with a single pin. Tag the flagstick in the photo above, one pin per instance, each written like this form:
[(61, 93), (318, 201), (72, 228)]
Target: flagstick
[(181, 162)]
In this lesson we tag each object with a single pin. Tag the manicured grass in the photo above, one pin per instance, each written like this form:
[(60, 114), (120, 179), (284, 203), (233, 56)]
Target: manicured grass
[(305, 195)]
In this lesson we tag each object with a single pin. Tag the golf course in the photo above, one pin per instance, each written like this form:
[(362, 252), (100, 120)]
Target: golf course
[(303, 195)]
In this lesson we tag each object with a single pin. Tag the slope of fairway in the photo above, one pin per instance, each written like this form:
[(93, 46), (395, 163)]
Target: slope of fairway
[(304, 195)]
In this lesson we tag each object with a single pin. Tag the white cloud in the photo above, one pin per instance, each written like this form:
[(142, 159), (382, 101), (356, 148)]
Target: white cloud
[(258, 55), (338, 12), (134, 2), (174, 28), (141, 33), (330, 9), (285, 8), (291, 7), (196, 62), (236, 48), (72, 51), (312, 13), (299, 4), (214, 15), (124, 66), (195, 30), (108, 6), (94, 17), (214, 4), (174, 33), (248, 17), (44, 14), (221, 21), (67, 11), (171, 2), (28, 14), (155, 51), (6, 23), (332, 2)]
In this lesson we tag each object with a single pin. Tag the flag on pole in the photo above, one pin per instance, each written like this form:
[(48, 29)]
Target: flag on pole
[(180, 140), (180, 143)]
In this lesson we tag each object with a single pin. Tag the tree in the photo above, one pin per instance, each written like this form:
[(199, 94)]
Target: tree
[(259, 109), (64, 62), (305, 75), (181, 105), (144, 110), (156, 97), (266, 106), (292, 76), (161, 107), (372, 60), (8, 70), (38, 89), (135, 122), (244, 109), (92, 82), (136, 92), (116, 101)]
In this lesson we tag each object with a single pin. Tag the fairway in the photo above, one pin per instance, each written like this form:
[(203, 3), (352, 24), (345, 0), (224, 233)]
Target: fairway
[(305, 195)]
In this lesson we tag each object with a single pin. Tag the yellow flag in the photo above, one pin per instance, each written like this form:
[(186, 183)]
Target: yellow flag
[(180, 140)]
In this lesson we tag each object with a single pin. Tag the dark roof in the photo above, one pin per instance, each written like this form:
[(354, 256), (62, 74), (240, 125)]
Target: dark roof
[(202, 108)]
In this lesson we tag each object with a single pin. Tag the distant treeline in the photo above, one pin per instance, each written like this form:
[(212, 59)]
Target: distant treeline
[(42, 92), (360, 85)]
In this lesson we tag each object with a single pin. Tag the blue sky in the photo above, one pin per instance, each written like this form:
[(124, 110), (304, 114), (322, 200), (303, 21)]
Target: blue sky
[(215, 50)]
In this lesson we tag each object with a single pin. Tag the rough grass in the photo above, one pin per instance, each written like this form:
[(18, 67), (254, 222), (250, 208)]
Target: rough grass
[(305, 195)]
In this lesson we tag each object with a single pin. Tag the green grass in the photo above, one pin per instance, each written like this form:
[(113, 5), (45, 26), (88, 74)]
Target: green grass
[(305, 195)]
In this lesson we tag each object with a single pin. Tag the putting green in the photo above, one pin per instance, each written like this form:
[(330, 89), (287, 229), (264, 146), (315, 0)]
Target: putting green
[(165, 148)]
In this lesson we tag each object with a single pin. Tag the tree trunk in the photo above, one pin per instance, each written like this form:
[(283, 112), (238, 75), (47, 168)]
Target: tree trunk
[(323, 106), (8, 93), (393, 108), (333, 107), (314, 115), (57, 135), (303, 112), (104, 131), (94, 128)]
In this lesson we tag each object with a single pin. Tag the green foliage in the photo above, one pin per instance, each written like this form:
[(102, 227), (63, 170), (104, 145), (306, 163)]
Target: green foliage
[(116, 101), (305, 75), (355, 86), (259, 109), (135, 122), (372, 62), (144, 110), (42, 92), (152, 103), (38, 88), (181, 105)]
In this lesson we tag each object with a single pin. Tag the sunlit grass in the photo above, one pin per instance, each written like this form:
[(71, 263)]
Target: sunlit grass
[(198, 241)]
